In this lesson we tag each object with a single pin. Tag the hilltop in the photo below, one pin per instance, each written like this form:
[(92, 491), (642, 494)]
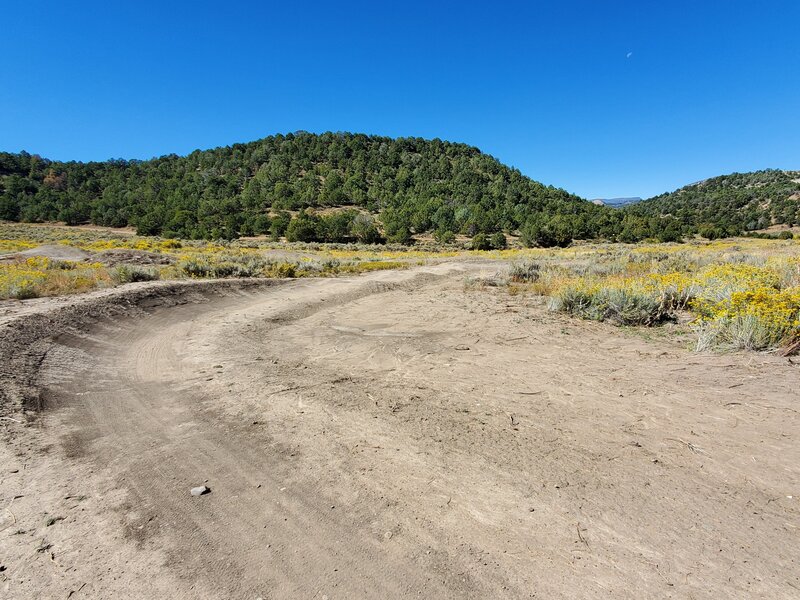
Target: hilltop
[(307, 187), (339, 187), (416, 185), (731, 204)]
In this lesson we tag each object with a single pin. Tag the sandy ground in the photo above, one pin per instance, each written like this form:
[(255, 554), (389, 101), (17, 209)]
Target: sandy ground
[(52, 251), (388, 436)]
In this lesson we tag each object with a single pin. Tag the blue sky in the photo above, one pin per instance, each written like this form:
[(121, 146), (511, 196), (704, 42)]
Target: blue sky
[(605, 99)]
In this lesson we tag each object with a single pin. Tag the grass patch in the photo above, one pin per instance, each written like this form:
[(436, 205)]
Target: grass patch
[(176, 259)]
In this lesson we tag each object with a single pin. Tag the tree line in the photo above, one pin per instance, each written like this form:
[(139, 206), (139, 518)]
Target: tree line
[(730, 204), (318, 187)]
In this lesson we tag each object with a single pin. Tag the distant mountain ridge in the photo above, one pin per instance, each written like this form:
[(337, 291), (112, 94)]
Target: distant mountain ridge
[(616, 202)]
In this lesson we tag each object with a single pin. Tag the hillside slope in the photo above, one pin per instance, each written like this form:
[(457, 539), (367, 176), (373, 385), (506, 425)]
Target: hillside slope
[(731, 203), (416, 185)]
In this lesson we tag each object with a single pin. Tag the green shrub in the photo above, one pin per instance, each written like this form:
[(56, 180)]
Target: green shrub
[(229, 269), (621, 306), (398, 233), (303, 229), (63, 265), (283, 270), (22, 290), (364, 229), (279, 224), (546, 234), (194, 267), (744, 332), (573, 301), (444, 236), (331, 265), (224, 266), (337, 227), (481, 242), (525, 271), (710, 232), (498, 241), (133, 273)]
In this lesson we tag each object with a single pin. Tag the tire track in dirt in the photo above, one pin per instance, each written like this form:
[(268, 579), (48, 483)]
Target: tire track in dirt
[(393, 436), (133, 411)]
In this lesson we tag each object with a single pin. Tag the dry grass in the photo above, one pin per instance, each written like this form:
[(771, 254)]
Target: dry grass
[(24, 278)]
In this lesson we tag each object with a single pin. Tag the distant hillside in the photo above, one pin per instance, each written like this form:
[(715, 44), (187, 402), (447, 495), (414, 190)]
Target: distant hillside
[(731, 203), (616, 202), (414, 185)]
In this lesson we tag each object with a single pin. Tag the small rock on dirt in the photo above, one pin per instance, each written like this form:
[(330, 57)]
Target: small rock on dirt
[(462, 347), (200, 490)]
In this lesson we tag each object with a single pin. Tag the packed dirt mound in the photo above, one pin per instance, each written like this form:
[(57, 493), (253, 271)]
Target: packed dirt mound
[(51, 251), (387, 436), (109, 258), (112, 258)]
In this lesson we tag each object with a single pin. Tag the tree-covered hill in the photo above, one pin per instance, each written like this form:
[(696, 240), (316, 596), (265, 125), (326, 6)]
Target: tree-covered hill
[(411, 185), (731, 203)]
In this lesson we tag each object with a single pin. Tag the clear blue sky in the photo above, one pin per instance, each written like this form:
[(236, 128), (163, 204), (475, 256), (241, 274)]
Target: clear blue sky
[(603, 98)]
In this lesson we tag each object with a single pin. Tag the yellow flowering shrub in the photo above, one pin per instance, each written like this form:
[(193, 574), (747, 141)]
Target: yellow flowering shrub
[(9, 246), (740, 293), (41, 276), (372, 265), (739, 298), (20, 281)]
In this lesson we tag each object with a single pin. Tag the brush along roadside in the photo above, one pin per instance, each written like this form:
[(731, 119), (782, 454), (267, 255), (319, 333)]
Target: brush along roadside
[(737, 300)]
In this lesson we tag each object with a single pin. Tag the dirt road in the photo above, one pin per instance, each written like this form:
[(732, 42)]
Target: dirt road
[(396, 436)]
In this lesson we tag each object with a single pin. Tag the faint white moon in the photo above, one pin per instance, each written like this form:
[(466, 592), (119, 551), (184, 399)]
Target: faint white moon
[(629, 54)]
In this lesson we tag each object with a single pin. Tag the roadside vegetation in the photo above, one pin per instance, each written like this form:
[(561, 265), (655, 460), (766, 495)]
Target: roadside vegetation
[(741, 293), (734, 294), (107, 260), (41, 276)]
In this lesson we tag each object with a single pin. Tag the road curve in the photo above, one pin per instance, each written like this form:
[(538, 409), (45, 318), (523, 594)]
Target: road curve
[(393, 436)]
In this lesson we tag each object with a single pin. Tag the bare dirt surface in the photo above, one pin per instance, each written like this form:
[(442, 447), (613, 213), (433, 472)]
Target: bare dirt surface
[(388, 436), (51, 251)]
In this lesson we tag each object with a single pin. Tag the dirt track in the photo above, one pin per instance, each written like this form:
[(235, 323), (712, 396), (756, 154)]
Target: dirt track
[(395, 436)]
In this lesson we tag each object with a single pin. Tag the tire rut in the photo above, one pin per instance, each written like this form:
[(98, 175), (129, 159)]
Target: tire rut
[(137, 411)]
